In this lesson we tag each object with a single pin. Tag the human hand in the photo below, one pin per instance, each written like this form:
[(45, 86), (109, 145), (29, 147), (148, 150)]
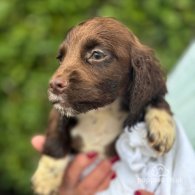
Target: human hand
[(72, 184), (97, 180)]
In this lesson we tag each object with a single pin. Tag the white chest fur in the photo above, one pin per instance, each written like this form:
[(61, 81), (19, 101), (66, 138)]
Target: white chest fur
[(98, 128)]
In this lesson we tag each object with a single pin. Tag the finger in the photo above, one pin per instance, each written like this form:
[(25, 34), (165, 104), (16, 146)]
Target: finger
[(143, 192), (106, 182), (37, 142), (95, 178), (75, 169)]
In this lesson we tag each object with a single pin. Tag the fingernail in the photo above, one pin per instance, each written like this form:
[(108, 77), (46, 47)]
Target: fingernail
[(137, 193), (113, 175), (114, 159), (91, 154)]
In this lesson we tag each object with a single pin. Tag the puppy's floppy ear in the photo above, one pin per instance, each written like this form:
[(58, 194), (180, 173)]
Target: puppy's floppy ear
[(147, 81)]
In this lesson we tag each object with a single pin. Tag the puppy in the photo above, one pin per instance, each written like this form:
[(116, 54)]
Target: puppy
[(106, 80)]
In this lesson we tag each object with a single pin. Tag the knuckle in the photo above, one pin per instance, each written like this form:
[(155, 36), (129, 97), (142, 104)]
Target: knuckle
[(104, 185), (85, 189), (105, 165), (80, 160)]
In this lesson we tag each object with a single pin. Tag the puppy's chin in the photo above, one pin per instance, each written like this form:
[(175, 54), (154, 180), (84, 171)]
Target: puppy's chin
[(69, 112), (61, 105)]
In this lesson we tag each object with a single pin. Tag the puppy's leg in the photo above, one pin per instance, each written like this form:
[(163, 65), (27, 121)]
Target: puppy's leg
[(160, 125), (47, 178)]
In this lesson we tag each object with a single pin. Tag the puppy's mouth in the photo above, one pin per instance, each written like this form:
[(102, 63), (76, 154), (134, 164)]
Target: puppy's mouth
[(73, 108), (61, 104), (55, 99)]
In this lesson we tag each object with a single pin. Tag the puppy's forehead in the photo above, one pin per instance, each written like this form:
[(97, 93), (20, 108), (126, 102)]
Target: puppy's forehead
[(98, 28)]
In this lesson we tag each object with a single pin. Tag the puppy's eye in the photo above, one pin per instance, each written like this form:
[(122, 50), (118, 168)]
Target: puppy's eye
[(97, 55), (60, 57)]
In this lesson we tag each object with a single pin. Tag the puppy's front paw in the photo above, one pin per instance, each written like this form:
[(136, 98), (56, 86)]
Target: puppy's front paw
[(161, 129), (48, 176)]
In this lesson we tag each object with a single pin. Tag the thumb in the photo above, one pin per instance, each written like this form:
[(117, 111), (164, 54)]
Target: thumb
[(37, 142), (143, 192)]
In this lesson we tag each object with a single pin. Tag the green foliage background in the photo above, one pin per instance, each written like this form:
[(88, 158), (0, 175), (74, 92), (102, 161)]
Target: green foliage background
[(30, 32)]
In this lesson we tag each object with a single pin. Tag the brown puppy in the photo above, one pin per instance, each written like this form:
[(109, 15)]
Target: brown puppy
[(106, 80)]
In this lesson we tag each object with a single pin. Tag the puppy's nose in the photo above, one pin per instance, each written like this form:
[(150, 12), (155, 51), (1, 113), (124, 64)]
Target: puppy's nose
[(58, 85)]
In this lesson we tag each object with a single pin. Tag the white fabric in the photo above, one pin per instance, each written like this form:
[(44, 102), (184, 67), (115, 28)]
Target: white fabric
[(141, 168)]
